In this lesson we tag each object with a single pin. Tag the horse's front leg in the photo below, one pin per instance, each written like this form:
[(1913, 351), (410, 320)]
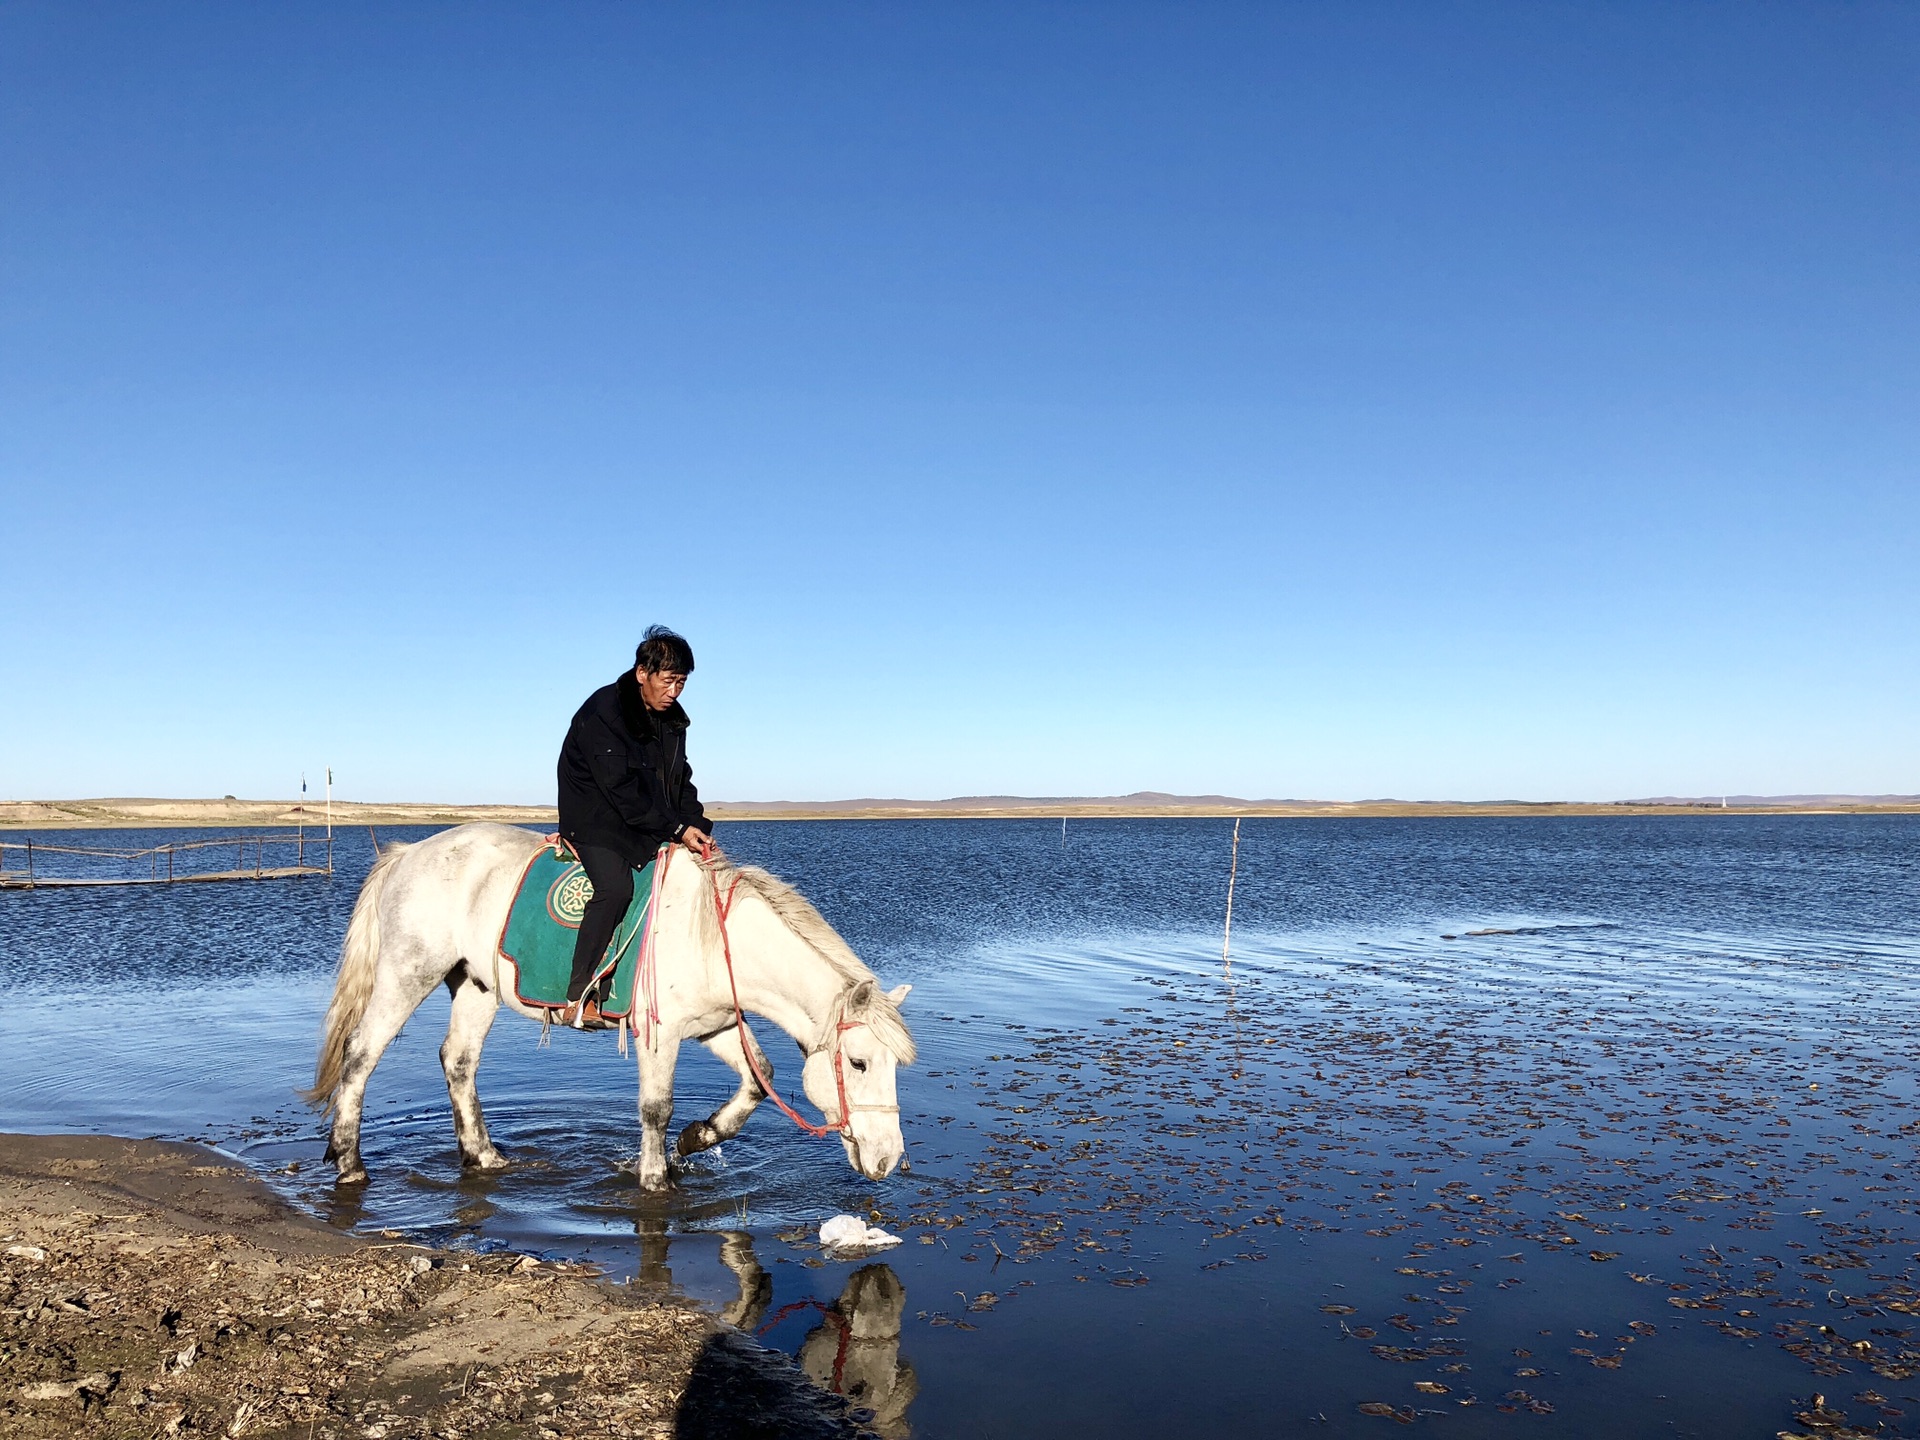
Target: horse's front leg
[(725, 1122), (656, 1107), (756, 1286)]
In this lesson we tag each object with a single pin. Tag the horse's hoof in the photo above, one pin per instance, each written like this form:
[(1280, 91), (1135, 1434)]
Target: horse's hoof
[(355, 1176), (696, 1137), (486, 1160)]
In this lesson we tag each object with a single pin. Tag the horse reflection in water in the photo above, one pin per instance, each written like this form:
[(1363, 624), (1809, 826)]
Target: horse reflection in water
[(853, 1352)]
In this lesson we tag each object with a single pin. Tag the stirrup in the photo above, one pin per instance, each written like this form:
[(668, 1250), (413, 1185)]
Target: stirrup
[(574, 1015)]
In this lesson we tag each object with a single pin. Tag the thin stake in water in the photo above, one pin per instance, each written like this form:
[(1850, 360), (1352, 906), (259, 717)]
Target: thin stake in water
[(1233, 869)]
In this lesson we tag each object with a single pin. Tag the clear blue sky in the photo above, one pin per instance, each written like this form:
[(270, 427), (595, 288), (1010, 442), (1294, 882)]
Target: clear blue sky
[(1331, 400)]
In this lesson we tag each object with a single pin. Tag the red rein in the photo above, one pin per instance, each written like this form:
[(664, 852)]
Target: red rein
[(720, 911)]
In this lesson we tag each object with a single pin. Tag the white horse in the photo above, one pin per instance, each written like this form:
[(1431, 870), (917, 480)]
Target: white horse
[(432, 913)]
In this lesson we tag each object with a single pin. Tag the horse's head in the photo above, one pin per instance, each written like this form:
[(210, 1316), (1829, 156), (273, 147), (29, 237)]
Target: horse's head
[(862, 1051)]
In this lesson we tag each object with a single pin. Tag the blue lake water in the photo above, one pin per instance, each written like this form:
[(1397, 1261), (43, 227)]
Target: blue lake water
[(1604, 1126)]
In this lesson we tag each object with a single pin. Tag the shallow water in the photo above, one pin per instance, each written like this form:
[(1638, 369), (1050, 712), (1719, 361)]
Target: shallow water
[(1615, 1160)]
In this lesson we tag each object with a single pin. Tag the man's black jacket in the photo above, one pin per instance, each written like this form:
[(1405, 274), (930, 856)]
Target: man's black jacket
[(624, 778)]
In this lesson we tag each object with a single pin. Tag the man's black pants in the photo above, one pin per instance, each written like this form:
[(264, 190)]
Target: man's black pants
[(612, 879)]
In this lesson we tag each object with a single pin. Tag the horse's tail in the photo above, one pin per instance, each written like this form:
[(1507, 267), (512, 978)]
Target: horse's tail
[(359, 958)]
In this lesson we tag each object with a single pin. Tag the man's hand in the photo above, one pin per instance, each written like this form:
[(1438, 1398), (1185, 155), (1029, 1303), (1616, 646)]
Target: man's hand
[(698, 841)]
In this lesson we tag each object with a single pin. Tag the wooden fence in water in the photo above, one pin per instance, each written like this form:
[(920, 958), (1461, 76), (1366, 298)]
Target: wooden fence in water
[(32, 864)]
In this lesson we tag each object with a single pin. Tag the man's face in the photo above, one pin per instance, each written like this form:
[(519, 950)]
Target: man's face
[(660, 688)]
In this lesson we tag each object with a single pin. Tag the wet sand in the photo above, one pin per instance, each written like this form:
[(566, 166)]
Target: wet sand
[(157, 1289)]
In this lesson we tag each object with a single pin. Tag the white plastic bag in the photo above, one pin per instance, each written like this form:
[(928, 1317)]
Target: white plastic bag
[(850, 1232)]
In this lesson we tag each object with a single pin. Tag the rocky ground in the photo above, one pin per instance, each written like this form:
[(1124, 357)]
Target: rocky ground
[(152, 1290)]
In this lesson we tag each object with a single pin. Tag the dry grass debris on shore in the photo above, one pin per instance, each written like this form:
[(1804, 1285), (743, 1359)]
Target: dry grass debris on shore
[(151, 1289)]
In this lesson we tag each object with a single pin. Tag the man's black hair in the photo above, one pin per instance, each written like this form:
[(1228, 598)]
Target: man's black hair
[(660, 649)]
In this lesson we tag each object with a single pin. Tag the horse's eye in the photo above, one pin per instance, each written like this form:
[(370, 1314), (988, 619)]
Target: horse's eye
[(859, 1065)]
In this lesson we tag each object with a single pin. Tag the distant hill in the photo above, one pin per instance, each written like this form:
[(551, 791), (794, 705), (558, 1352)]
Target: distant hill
[(1149, 803), (1784, 802), (286, 814), (1139, 801)]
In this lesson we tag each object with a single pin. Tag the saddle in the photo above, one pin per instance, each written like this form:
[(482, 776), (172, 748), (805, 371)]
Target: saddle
[(543, 922)]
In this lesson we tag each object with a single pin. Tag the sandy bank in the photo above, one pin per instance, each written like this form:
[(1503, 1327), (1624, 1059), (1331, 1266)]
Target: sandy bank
[(152, 1289), (130, 814), (147, 814)]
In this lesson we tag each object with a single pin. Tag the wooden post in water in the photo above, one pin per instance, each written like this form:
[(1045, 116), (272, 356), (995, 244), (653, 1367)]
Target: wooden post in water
[(169, 860), (1233, 871), (29, 862)]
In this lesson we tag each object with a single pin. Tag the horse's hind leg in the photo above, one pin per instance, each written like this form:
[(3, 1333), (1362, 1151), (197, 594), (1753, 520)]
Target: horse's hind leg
[(397, 993), (474, 1008), (725, 1122)]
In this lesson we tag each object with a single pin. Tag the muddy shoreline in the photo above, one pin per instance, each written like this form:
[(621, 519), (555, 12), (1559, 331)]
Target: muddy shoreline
[(149, 1288)]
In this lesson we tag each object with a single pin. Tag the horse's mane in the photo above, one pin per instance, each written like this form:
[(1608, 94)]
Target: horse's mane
[(866, 1001)]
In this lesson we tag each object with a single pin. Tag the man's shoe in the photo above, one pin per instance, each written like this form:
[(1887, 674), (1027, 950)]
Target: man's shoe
[(583, 1015)]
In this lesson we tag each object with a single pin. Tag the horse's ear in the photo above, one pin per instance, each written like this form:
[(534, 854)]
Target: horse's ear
[(861, 996), (898, 993)]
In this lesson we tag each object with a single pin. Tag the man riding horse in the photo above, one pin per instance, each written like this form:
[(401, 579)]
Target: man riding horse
[(625, 790)]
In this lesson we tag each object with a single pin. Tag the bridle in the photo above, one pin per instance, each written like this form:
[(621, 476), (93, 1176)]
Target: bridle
[(843, 1332), (844, 1124)]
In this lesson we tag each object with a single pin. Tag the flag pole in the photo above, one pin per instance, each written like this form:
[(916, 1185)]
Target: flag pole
[(1233, 870)]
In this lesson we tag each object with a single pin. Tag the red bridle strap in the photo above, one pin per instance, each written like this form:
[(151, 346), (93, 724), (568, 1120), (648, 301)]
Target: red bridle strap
[(832, 1317), (721, 909)]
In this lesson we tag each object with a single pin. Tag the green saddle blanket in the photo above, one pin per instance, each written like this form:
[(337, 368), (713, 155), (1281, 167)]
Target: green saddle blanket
[(545, 919)]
